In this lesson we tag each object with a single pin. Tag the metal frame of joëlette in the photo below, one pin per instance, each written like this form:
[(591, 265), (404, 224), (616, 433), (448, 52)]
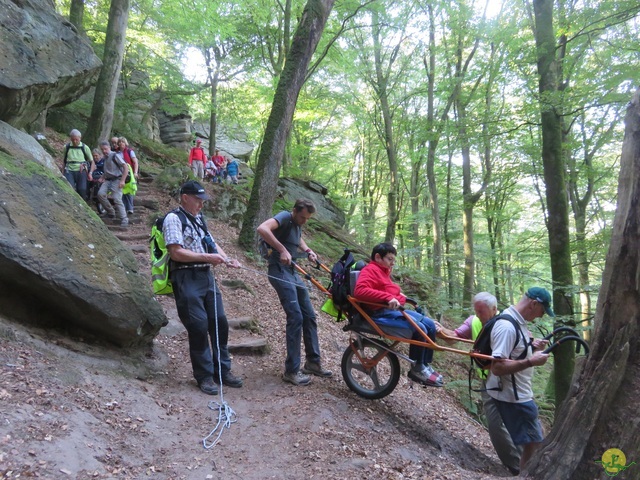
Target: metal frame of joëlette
[(427, 343)]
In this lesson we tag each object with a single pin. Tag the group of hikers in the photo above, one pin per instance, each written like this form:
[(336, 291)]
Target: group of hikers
[(110, 171), (515, 430), (217, 168)]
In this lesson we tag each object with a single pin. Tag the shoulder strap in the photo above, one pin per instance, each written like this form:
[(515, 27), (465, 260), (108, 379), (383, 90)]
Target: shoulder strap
[(193, 220), (504, 316), (66, 152), (87, 152), (182, 217)]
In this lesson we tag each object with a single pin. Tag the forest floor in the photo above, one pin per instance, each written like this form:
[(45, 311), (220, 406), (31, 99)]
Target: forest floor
[(70, 409)]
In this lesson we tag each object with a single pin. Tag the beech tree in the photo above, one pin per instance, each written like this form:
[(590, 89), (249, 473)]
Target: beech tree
[(602, 406), (263, 193), (101, 120), (76, 14)]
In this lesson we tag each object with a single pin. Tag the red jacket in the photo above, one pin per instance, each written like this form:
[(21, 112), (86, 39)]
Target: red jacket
[(197, 153), (374, 285)]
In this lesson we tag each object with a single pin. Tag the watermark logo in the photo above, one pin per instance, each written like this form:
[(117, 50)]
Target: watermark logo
[(614, 461)]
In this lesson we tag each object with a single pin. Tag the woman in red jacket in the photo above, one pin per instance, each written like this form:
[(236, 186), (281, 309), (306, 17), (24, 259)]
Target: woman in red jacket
[(375, 285)]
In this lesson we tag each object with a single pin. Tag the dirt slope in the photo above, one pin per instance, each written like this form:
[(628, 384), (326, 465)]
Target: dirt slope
[(73, 410)]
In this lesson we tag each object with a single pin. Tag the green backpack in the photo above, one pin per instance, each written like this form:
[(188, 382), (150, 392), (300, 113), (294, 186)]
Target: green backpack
[(160, 259)]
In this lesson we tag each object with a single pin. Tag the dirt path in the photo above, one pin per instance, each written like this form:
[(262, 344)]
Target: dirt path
[(73, 410)]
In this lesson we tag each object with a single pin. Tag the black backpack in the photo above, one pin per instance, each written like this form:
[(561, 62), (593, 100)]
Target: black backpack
[(340, 287), (483, 342), (483, 345), (86, 151)]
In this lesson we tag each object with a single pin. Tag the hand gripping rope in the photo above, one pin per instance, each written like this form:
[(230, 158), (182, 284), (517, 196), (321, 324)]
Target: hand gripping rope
[(226, 415)]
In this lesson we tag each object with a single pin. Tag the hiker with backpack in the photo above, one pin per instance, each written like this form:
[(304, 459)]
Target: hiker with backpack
[(193, 252), (485, 306), (129, 156), (115, 172), (283, 235), (197, 159), (77, 162), (95, 179), (374, 285), (233, 170), (515, 354)]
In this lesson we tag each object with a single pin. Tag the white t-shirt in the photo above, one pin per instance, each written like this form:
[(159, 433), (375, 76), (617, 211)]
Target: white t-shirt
[(503, 339)]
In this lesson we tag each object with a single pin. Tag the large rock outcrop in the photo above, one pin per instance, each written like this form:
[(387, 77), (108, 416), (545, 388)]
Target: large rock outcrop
[(43, 61), (59, 264), (175, 130), (326, 211)]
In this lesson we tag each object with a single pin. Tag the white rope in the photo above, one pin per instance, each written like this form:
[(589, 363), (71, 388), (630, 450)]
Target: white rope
[(226, 415), (258, 272)]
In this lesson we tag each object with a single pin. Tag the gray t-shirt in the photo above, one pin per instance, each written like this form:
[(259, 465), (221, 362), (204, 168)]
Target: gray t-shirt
[(288, 234), (114, 166)]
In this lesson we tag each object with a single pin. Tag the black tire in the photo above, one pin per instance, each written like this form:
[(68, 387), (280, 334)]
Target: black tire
[(376, 382)]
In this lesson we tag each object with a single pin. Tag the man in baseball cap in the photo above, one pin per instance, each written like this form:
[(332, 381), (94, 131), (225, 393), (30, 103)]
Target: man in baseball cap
[(194, 188), (543, 297)]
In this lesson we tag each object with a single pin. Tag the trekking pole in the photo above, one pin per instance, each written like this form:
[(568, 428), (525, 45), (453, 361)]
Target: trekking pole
[(311, 279)]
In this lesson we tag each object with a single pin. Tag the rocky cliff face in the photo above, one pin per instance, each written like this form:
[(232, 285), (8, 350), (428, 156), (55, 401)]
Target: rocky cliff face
[(175, 130), (43, 61), (59, 264), (326, 211)]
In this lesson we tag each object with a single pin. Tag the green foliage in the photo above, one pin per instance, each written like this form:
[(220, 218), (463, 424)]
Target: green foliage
[(172, 177), (338, 138)]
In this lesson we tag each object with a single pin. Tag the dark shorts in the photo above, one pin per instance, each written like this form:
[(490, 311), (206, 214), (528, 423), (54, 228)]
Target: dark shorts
[(521, 420)]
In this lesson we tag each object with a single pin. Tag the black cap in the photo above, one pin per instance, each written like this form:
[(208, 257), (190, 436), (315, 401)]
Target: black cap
[(194, 188)]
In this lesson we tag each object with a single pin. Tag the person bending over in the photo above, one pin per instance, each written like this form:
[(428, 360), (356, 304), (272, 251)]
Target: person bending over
[(485, 306)]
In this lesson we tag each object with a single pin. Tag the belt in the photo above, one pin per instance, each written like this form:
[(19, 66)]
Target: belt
[(199, 266), (113, 178)]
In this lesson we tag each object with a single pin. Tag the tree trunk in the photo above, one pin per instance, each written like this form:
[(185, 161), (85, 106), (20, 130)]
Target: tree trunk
[(263, 193), (414, 195), (213, 72), (602, 409), (389, 140), (583, 271), (555, 191), (76, 14), (101, 119), (447, 238), (467, 208)]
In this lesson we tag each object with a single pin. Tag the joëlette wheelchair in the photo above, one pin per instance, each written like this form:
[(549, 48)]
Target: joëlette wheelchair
[(370, 364)]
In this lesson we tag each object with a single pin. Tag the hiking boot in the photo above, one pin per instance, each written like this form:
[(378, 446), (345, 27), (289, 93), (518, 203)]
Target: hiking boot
[(230, 380), (298, 378), (208, 387), (124, 222), (111, 216), (426, 376), (312, 368), (129, 211)]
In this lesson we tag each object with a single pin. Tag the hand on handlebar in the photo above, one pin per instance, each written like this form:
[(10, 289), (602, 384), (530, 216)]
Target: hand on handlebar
[(285, 258), (538, 358), (539, 344)]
